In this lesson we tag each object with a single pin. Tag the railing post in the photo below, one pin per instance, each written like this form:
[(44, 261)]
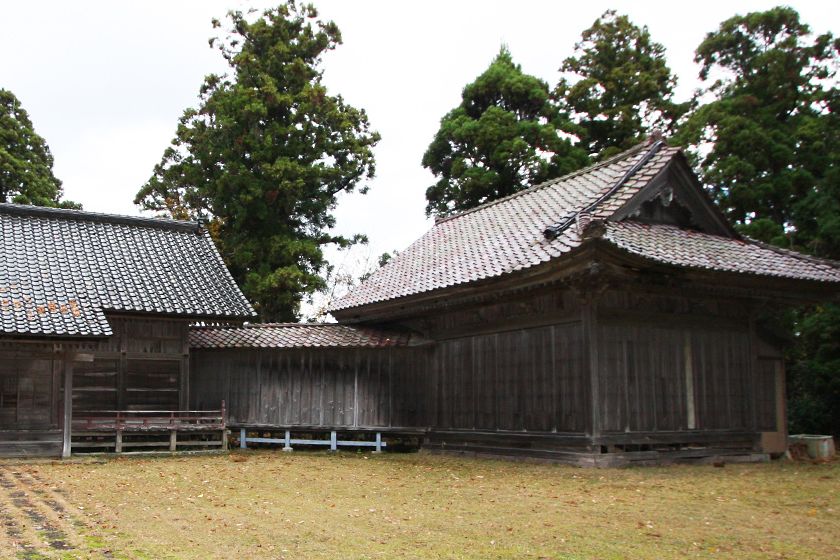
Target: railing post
[(288, 442), (378, 442), (173, 439), (118, 442), (333, 445), (224, 427), (242, 443)]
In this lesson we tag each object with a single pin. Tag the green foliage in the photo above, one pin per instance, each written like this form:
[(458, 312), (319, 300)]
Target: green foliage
[(26, 175), (768, 124), (265, 155), (617, 86), (814, 373), (503, 137)]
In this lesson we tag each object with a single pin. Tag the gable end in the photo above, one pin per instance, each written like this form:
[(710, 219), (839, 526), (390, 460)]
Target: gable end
[(676, 197)]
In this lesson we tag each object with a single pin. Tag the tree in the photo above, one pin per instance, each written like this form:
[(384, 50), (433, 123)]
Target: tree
[(26, 175), (617, 86), (814, 372), (767, 144), (265, 155), (503, 137), (768, 129), (356, 266)]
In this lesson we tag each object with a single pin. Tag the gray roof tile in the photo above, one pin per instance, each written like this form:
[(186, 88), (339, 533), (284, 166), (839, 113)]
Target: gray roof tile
[(62, 269), (297, 335), (506, 236), (691, 249), (499, 237)]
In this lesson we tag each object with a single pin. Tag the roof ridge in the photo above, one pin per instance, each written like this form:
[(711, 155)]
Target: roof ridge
[(98, 217), (552, 231), (548, 183)]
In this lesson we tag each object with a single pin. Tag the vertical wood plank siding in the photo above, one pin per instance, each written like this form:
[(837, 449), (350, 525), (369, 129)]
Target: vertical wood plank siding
[(522, 380), (30, 398), (322, 387), (141, 367), (614, 368)]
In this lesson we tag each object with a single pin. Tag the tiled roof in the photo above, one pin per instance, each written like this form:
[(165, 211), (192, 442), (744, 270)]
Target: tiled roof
[(690, 249), (62, 269), (297, 335), (505, 235)]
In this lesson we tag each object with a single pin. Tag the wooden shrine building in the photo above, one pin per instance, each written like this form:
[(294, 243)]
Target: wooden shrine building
[(606, 317), (94, 316)]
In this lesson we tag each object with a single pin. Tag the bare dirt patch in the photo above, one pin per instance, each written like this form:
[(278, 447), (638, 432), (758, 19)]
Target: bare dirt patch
[(315, 505), (36, 522)]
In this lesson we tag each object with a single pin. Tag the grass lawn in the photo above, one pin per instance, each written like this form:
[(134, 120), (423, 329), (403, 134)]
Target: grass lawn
[(269, 504)]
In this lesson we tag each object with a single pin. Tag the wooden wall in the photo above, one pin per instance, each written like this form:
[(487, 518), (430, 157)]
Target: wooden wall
[(30, 382), (670, 362), (143, 366), (529, 379), (551, 371), (664, 379), (313, 388)]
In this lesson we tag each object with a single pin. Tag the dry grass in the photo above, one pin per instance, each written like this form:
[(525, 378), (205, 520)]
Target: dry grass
[(315, 505)]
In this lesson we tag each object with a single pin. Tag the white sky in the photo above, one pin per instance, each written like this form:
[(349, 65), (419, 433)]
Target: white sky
[(105, 82)]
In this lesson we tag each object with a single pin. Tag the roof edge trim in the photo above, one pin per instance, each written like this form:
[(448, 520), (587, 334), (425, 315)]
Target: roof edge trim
[(98, 217)]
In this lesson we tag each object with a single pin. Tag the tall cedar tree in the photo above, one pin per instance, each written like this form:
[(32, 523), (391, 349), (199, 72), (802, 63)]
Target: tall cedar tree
[(772, 147), (503, 137), (617, 86), (26, 175), (769, 124), (265, 155)]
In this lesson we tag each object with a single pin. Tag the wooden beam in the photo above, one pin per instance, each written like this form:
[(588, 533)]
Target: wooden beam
[(592, 342), (68, 405)]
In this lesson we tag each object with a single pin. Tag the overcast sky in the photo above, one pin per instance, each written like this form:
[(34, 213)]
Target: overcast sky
[(105, 82)]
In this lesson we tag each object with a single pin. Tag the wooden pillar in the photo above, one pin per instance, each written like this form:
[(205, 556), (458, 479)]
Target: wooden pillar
[(590, 336), (68, 405), (184, 380), (781, 400), (122, 366), (688, 356)]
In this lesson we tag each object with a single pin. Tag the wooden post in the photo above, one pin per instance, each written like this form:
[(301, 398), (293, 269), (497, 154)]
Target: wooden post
[(590, 333), (224, 427), (333, 444), (287, 446), (242, 443), (173, 440), (66, 447), (118, 442), (378, 442), (691, 414)]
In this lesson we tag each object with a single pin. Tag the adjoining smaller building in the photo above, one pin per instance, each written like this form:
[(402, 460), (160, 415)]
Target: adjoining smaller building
[(313, 377), (94, 316)]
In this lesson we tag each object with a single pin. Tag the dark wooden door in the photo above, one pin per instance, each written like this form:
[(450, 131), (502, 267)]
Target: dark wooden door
[(28, 394)]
